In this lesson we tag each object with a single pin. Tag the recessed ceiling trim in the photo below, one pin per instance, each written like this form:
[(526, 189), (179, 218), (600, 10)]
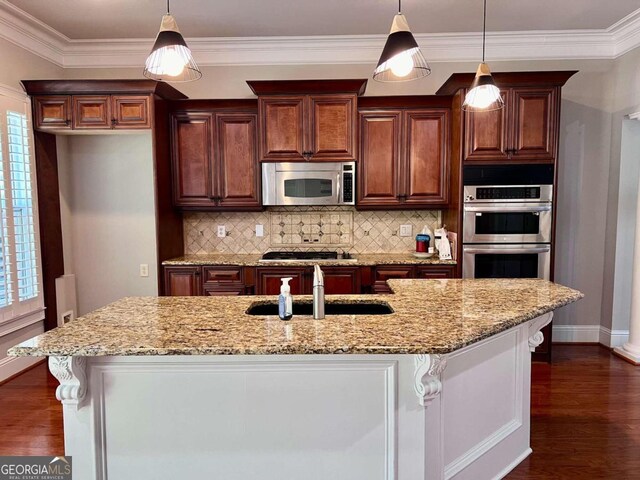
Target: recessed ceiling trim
[(30, 33)]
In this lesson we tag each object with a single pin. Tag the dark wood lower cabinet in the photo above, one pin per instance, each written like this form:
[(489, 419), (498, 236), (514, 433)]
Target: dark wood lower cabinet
[(268, 280), (182, 281), (338, 280)]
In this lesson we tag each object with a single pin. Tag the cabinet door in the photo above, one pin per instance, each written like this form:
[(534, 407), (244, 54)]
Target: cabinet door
[(52, 112), (182, 281), (332, 128), (268, 280), (238, 177), (426, 157), (486, 133), (436, 271), (191, 152), (341, 280), (281, 129), (130, 111), (379, 164), (534, 120), (91, 112), (387, 272)]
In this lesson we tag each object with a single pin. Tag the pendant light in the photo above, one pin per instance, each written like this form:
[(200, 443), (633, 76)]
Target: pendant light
[(401, 57), (483, 95), (170, 59)]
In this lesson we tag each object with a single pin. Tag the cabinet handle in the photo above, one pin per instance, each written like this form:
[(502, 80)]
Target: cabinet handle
[(114, 122), (67, 122)]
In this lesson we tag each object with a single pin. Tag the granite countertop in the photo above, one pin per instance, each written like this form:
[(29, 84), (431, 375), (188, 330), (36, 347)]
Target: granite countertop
[(253, 260), (430, 316)]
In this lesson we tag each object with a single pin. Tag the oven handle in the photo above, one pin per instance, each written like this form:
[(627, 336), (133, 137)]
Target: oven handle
[(338, 182), (508, 208), (507, 250)]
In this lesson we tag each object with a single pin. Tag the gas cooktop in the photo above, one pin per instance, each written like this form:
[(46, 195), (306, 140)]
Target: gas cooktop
[(304, 256)]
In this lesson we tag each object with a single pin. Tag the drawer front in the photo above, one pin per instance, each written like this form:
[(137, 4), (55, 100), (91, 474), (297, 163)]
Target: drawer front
[(229, 290), (436, 272), (222, 275), (387, 272), (384, 273)]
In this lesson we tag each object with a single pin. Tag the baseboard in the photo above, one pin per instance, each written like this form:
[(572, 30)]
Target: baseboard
[(576, 333), (12, 366), (514, 464), (613, 338)]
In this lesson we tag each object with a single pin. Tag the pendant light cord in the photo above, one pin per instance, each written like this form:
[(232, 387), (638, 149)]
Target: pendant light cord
[(168, 8), (399, 6), (484, 28)]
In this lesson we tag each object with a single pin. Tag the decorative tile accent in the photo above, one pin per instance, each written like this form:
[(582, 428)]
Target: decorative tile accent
[(302, 228)]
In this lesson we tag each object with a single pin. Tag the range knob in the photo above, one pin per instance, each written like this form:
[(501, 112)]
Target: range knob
[(469, 198)]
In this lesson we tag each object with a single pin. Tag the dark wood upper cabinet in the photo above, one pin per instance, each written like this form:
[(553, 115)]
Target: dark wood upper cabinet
[(52, 112), (426, 157), (192, 160), (215, 164), (282, 128), (332, 127), (182, 281), (534, 120), (130, 111), (91, 112), (307, 127), (236, 166), (379, 166), (525, 130), (486, 134), (404, 158), (307, 120)]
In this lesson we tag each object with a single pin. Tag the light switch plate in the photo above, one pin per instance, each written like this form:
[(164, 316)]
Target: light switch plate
[(405, 230), (144, 270), (222, 231), (259, 230)]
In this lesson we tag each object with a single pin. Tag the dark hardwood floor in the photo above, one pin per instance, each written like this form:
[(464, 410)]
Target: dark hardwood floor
[(585, 417), (30, 415)]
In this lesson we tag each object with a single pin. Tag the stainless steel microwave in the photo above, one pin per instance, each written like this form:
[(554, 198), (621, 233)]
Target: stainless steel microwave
[(308, 183)]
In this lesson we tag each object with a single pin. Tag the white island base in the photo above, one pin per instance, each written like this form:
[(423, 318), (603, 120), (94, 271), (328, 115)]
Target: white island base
[(464, 415)]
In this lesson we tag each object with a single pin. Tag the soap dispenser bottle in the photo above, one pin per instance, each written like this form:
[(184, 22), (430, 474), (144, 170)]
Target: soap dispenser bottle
[(285, 301)]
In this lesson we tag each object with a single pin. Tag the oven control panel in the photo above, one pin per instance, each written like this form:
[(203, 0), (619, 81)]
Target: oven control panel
[(508, 193)]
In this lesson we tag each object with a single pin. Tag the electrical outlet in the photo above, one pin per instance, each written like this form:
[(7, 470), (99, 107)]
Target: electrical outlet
[(259, 230), (222, 231), (144, 270), (405, 230)]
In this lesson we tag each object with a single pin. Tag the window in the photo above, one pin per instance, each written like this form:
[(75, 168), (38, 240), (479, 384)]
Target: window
[(20, 275)]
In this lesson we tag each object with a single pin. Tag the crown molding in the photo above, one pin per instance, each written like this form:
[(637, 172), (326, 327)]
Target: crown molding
[(35, 36)]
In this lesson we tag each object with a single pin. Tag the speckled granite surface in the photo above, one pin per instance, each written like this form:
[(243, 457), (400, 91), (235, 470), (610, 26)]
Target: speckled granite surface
[(430, 316), (249, 260)]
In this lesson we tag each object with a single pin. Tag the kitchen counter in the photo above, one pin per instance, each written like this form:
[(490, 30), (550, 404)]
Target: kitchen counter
[(253, 260), (430, 317)]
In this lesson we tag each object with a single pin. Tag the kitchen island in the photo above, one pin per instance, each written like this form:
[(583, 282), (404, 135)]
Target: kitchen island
[(195, 387)]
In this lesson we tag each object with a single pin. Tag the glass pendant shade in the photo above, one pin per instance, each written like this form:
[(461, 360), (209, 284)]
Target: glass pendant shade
[(401, 57), (483, 95), (170, 59)]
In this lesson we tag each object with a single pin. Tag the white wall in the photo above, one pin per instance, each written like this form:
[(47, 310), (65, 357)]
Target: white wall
[(620, 208), (108, 216)]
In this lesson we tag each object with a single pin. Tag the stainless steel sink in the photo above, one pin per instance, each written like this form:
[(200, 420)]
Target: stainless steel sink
[(330, 308)]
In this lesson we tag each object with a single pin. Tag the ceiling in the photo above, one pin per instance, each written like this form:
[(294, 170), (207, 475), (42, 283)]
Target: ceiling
[(102, 19)]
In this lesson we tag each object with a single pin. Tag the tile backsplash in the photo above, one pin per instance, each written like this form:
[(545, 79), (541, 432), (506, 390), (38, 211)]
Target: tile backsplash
[(302, 228)]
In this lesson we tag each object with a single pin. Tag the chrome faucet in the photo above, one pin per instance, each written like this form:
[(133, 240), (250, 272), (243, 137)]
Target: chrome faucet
[(318, 293)]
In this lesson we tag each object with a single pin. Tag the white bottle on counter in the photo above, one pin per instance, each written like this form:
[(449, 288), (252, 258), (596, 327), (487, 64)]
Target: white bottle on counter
[(285, 300)]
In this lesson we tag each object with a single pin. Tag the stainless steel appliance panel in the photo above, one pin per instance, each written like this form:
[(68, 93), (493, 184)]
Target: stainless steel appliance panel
[(507, 261), (507, 223)]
